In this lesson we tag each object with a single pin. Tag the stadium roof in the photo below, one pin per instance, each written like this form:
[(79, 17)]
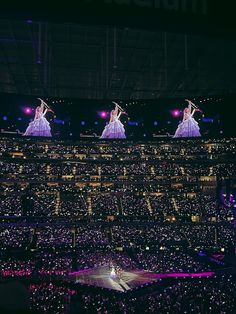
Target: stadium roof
[(97, 62)]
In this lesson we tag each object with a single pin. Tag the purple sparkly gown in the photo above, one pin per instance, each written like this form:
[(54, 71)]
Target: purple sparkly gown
[(188, 128), (39, 127), (114, 129)]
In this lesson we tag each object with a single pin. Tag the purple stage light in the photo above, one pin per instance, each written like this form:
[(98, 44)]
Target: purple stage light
[(27, 110), (175, 113), (102, 114)]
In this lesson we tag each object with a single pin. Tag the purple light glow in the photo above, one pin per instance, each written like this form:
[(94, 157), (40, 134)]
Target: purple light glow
[(204, 274), (79, 272), (27, 110), (102, 114), (176, 113)]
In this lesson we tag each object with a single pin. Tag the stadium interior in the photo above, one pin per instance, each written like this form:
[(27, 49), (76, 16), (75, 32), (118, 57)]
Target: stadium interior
[(141, 224)]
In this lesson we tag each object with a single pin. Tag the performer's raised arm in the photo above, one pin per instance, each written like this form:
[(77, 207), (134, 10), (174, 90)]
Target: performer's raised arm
[(45, 106), (189, 104), (195, 108), (120, 113), (48, 109), (192, 113)]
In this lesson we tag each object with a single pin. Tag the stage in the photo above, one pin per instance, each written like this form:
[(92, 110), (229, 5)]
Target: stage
[(127, 280)]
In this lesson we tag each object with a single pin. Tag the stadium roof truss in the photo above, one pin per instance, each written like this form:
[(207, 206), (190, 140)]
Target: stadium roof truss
[(104, 62)]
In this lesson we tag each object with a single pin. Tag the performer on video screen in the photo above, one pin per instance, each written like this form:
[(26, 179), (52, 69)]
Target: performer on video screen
[(40, 125), (114, 129), (189, 126)]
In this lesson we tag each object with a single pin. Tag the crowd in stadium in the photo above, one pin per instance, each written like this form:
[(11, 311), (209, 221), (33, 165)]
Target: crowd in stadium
[(200, 296), (24, 169), (61, 215), (53, 236), (211, 150), (69, 202), (203, 295)]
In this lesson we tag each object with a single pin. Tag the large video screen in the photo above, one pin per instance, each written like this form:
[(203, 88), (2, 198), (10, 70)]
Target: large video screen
[(205, 116)]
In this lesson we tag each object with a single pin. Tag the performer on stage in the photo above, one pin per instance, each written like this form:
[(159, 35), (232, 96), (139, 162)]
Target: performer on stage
[(39, 126), (189, 126), (113, 274), (114, 129)]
